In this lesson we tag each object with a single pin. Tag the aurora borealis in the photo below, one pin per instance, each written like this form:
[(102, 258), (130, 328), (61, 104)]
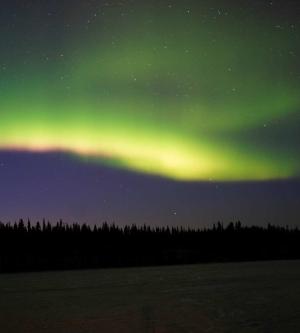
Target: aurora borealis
[(161, 88), (191, 91)]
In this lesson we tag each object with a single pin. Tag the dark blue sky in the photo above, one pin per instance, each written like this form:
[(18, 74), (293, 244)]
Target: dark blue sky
[(57, 186)]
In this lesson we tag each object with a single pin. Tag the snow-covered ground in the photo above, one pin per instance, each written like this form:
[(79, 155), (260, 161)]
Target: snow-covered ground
[(231, 297)]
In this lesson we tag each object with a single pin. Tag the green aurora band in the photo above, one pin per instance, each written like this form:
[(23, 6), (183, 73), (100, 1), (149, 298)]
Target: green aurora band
[(188, 93)]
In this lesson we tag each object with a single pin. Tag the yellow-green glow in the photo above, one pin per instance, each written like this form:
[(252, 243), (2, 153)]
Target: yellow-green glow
[(144, 150), (164, 94)]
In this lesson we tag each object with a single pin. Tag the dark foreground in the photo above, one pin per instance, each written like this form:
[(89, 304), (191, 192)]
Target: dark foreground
[(231, 297)]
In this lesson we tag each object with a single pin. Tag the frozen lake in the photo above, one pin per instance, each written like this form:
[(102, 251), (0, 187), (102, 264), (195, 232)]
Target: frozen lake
[(231, 297)]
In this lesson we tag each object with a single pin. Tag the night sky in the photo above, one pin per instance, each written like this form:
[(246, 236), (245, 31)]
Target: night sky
[(157, 112)]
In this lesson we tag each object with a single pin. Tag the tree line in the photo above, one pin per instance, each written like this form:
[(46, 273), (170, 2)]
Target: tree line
[(42, 246)]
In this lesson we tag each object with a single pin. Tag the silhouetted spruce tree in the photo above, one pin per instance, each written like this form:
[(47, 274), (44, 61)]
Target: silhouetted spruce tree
[(25, 247)]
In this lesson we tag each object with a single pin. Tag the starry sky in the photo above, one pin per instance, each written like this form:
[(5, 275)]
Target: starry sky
[(157, 112)]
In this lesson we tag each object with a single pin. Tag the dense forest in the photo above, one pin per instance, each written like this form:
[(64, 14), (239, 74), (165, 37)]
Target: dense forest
[(43, 246)]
